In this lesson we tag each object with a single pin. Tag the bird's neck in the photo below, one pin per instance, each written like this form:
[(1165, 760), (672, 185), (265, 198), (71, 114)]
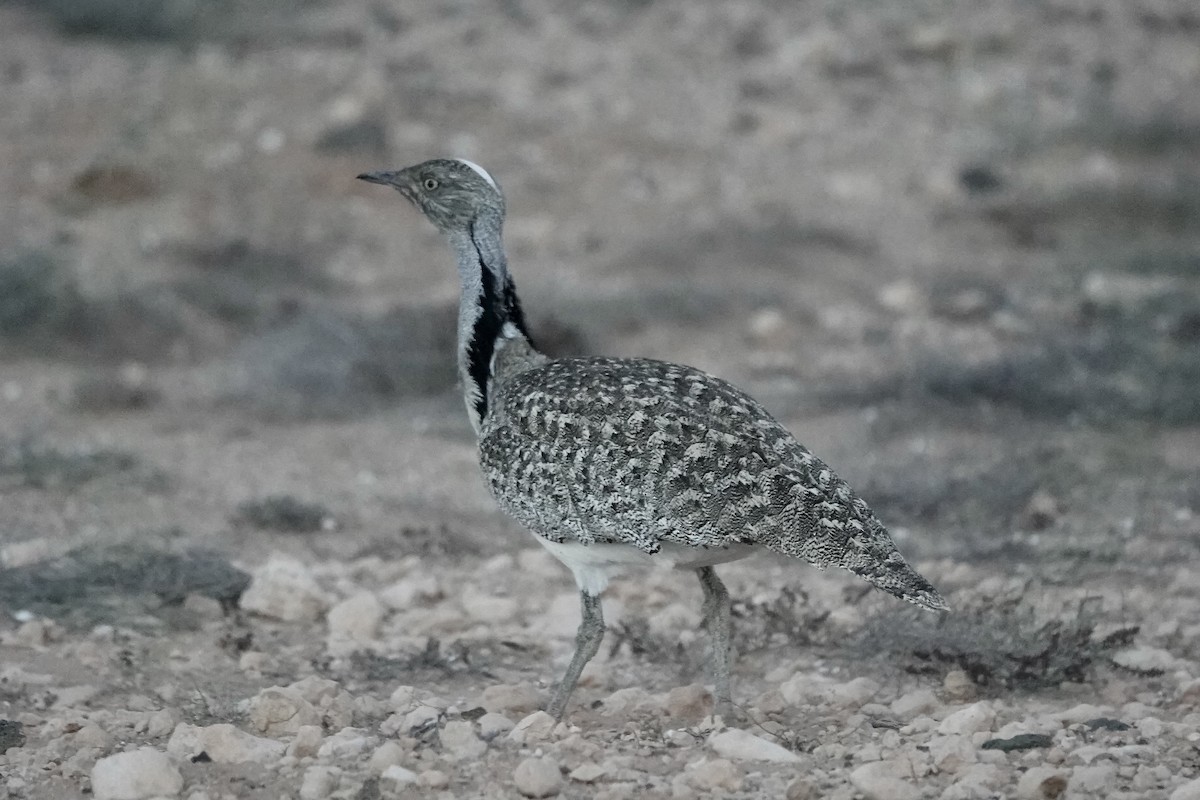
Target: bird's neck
[(489, 311)]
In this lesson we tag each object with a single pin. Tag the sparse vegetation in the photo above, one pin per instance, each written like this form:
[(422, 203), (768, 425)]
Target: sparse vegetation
[(108, 390), (1001, 644), (89, 583), (284, 513), (46, 467)]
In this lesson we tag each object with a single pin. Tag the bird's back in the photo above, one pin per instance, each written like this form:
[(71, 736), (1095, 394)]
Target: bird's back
[(644, 453)]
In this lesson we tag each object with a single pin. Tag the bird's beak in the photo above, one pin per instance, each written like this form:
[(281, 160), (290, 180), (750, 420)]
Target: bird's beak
[(382, 178)]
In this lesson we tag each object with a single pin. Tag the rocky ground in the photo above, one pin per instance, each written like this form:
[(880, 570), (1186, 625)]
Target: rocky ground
[(246, 552)]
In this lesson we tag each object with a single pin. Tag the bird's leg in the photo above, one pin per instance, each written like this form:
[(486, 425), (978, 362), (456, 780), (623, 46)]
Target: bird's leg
[(717, 623), (587, 642)]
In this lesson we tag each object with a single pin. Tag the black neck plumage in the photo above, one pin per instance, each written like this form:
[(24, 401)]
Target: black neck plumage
[(498, 304)]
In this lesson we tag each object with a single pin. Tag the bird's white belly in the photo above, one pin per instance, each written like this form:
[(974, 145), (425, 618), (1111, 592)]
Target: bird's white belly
[(594, 565)]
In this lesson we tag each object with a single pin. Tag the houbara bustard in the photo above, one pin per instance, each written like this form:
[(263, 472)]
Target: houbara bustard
[(619, 462)]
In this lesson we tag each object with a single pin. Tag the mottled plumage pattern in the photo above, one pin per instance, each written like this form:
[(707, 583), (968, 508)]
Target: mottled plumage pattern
[(644, 452)]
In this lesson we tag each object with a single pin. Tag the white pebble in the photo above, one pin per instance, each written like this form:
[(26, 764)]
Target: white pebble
[(136, 775), (345, 744), (713, 774), (319, 782), (538, 777), (1042, 783), (223, 743), (1189, 791), (513, 698), (284, 588), (919, 701), (588, 772), (972, 719), (885, 780), (306, 742), (852, 694), (745, 746), (1144, 659), (278, 711), (356, 618), (388, 754), (399, 776), (460, 742), (1092, 780), (492, 725), (536, 727)]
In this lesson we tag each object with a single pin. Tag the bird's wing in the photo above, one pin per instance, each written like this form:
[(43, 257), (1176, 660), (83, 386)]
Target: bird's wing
[(644, 452)]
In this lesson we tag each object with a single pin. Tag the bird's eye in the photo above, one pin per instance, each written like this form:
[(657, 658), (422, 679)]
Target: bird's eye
[(430, 184)]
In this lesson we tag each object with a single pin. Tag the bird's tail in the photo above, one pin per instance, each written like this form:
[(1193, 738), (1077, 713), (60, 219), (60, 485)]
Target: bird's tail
[(872, 555)]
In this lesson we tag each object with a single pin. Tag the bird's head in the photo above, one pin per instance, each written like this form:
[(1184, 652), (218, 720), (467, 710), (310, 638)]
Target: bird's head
[(452, 192)]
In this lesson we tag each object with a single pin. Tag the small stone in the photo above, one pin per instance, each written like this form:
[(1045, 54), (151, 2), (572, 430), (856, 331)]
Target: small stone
[(1081, 713), (511, 698), (951, 753), (223, 744), (972, 719), (92, 735), (356, 618), (487, 608), (714, 774), (1042, 783), (588, 772), (74, 696), (536, 727), (958, 685), (628, 699), (398, 776), (538, 777), (693, 703), (1092, 779), (801, 789), (435, 779), (885, 780), (745, 746), (492, 725), (284, 588), (388, 754), (919, 701), (203, 607), (976, 782), (319, 782), (1144, 660), (420, 719), (1150, 727), (403, 699), (135, 775), (852, 694), (1022, 741), (307, 742), (410, 592), (279, 711), (160, 723), (252, 661), (1188, 791), (1189, 693), (460, 742), (345, 744), (37, 633)]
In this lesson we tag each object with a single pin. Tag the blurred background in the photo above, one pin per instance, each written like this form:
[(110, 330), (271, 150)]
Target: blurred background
[(955, 247)]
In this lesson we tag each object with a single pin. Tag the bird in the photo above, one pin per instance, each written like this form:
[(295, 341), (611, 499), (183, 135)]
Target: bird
[(616, 463)]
